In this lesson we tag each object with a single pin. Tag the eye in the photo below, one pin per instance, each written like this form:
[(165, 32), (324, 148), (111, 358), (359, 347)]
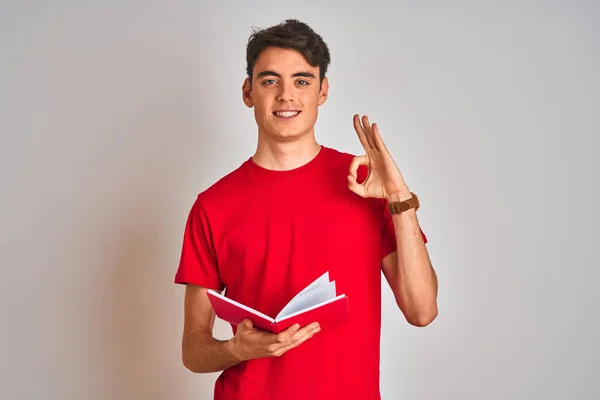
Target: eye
[(302, 82), (269, 82)]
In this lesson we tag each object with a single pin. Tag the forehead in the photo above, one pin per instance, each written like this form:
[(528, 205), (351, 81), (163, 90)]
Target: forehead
[(284, 61)]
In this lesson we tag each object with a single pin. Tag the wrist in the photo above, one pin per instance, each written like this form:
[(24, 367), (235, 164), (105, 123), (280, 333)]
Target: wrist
[(232, 349), (399, 196)]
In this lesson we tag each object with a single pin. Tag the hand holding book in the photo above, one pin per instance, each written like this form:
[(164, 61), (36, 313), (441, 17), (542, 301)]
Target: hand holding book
[(316, 302), (250, 343)]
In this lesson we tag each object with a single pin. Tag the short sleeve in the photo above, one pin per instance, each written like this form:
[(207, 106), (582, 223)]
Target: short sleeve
[(388, 238), (198, 262)]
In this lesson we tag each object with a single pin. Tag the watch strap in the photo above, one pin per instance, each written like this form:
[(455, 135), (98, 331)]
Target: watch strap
[(397, 207)]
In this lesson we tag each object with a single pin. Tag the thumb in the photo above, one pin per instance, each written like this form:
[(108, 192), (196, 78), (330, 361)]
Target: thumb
[(247, 324)]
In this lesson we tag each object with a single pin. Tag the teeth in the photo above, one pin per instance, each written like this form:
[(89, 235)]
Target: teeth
[(287, 114)]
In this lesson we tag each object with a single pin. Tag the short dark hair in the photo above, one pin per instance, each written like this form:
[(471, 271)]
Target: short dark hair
[(291, 34)]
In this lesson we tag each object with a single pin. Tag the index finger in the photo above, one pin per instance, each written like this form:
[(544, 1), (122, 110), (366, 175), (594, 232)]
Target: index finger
[(362, 135), (290, 335)]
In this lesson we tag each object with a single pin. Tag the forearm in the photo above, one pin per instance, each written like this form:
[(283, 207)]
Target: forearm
[(202, 353), (415, 280)]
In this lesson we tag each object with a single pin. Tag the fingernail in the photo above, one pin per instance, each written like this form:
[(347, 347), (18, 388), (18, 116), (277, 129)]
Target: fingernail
[(296, 327)]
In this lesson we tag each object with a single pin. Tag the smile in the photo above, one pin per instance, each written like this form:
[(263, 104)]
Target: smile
[(286, 114)]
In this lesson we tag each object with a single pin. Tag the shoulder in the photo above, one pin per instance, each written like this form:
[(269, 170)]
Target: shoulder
[(227, 187), (343, 160), (338, 155)]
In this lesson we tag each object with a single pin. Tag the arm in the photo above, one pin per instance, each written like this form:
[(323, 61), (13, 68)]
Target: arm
[(408, 270), (202, 353)]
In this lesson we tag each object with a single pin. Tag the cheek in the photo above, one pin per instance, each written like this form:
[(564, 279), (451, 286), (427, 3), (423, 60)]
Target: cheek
[(260, 111), (311, 117), (312, 106), (265, 113)]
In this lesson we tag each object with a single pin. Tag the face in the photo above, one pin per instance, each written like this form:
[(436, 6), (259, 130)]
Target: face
[(285, 94)]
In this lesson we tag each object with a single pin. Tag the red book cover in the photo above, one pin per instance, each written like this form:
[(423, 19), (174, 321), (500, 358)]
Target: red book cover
[(316, 303)]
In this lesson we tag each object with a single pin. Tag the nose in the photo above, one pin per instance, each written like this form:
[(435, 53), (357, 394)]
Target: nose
[(285, 93)]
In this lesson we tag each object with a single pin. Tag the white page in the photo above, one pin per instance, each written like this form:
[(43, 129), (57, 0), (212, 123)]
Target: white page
[(309, 290), (320, 281), (341, 296), (307, 299)]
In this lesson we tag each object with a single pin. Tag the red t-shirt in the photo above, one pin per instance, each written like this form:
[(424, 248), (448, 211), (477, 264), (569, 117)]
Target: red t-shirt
[(264, 235)]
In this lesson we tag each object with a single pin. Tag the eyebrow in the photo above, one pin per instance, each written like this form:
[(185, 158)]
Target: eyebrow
[(273, 73)]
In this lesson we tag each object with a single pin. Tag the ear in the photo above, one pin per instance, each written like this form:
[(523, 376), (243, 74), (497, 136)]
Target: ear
[(324, 91), (247, 93)]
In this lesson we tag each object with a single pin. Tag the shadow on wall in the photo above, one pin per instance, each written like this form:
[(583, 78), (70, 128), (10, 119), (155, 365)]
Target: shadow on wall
[(139, 318), (143, 325), (135, 336), (159, 152)]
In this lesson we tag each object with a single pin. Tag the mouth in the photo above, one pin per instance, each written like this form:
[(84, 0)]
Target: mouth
[(286, 114)]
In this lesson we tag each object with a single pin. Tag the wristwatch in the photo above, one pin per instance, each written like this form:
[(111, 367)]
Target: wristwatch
[(397, 207)]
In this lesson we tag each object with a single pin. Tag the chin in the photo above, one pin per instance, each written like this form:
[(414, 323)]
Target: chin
[(284, 134), (290, 135)]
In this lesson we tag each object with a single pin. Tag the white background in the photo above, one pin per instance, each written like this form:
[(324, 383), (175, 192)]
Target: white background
[(114, 115)]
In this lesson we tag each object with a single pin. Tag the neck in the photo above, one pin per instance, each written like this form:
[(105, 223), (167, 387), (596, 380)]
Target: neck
[(285, 155)]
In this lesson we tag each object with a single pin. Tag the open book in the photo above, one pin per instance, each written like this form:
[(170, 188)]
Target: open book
[(315, 303)]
